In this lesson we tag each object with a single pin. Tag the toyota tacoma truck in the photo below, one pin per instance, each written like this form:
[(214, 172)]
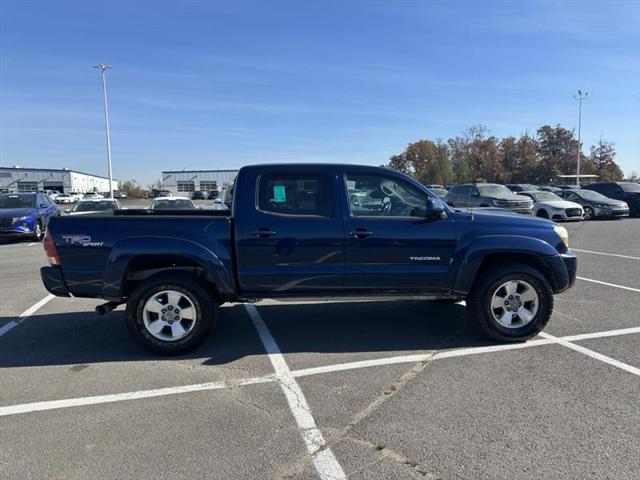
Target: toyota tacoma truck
[(310, 230)]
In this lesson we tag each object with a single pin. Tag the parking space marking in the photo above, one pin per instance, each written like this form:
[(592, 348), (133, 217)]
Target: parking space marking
[(590, 353), (121, 397), (323, 458), (26, 314), (631, 289), (607, 254)]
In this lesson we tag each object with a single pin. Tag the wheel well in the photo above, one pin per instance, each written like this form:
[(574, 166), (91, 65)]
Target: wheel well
[(494, 260), (143, 267)]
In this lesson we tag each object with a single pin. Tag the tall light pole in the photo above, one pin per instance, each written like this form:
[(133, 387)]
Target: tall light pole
[(580, 96), (103, 68)]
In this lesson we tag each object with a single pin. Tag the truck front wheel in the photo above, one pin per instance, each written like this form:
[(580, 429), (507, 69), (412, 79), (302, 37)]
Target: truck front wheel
[(512, 303), (170, 315)]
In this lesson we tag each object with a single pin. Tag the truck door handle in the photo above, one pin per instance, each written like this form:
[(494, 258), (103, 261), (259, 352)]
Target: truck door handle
[(263, 232), (361, 233)]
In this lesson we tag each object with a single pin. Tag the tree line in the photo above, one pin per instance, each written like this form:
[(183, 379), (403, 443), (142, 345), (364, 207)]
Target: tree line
[(477, 156)]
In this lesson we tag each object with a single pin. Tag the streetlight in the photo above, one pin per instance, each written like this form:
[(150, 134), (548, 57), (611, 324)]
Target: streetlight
[(580, 96), (102, 67)]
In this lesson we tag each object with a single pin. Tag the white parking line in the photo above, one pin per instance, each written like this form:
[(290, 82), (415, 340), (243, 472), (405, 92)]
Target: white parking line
[(119, 397), (323, 458), (26, 314), (631, 289), (607, 254), (590, 353)]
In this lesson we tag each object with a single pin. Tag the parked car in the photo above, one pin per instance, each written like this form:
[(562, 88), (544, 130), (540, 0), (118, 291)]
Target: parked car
[(65, 198), (94, 206), (628, 192), (311, 230), (120, 195), (213, 194), (549, 205), (567, 187), (439, 191), (92, 195), (198, 195), (172, 203), (595, 204), (163, 194), (488, 195), (26, 214), (549, 188), (521, 187)]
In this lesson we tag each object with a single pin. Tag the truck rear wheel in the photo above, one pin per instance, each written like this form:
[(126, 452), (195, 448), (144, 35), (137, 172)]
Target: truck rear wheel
[(170, 315), (512, 303)]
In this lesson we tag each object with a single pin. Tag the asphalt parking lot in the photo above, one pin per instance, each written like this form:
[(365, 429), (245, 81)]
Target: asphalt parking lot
[(364, 389)]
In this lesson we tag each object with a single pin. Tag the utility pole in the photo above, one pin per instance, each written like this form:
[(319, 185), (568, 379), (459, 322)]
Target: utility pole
[(102, 67), (580, 96)]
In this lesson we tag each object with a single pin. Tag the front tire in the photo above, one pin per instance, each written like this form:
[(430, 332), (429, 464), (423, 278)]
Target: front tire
[(170, 314), (511, 304), (37, 231), (589, 214)]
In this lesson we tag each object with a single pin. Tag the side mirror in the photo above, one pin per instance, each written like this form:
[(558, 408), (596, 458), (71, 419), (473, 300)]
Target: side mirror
[(43, 205), (435, 210), (475, 194), (67, 210)]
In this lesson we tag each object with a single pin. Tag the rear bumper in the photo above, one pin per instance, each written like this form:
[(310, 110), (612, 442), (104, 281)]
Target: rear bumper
[(54, 282)]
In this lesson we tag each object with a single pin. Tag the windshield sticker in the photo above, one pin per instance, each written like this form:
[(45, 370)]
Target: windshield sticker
[(279, 194)]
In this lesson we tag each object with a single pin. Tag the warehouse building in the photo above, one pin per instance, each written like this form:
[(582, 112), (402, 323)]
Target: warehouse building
[(17, 179), (185, 182)]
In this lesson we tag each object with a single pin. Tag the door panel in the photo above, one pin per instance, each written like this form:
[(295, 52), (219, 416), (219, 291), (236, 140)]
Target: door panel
[(292, 240), (392, 247)]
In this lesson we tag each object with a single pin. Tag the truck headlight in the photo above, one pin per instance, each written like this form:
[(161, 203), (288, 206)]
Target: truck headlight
[(563, 234)]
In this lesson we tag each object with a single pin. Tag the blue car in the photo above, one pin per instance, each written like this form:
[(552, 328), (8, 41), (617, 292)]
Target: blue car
[(25, 214)]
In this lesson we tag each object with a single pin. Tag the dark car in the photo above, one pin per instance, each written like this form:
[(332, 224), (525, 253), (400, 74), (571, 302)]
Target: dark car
[(595, 204), (474, 195), (198, 195), (440, 191), (521, 187), (310, 230), (549, 188), (626, 191), (213, 194), (26, 214)]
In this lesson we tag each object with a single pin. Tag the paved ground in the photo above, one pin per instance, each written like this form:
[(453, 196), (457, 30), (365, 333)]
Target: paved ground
[(370, 389)]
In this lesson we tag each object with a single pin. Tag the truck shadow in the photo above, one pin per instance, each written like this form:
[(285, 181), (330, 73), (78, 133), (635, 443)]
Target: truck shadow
[(394, 326)]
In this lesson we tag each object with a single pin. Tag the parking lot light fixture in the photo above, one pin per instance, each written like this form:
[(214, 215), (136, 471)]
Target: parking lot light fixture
[(580, 96), (103, 68)]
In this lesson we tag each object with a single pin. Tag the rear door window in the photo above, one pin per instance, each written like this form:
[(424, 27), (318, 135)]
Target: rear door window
[(309, 194)]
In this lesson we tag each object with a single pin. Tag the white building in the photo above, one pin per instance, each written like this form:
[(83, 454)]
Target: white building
[(16, 179), (184, 182)]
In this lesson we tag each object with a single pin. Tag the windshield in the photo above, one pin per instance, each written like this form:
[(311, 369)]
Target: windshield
[(544, 196), (94, 206), (494, 191), (25, 200), (591, 195), (173, 205), (630, 187)]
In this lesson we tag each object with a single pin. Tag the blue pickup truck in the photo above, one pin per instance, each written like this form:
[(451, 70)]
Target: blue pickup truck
[(310, 231)]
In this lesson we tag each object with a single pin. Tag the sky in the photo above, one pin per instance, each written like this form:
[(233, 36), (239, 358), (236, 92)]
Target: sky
[(217, 85)]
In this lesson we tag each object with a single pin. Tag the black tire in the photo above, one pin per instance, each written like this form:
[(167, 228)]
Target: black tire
[(205, 307), (542, 214), (479, 302), (589, 214), (38, 234)]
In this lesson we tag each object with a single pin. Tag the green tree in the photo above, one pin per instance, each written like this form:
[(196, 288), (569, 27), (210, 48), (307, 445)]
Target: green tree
[(604, 164)]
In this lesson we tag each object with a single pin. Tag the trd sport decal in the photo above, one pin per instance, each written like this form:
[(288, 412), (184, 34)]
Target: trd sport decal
[(78, 239)]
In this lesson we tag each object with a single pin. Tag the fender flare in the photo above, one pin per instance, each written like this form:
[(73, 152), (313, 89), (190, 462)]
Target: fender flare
[(481, 247), (125, 251)]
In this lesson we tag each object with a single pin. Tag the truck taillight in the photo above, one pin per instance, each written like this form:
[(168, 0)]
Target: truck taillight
[(50, 249)]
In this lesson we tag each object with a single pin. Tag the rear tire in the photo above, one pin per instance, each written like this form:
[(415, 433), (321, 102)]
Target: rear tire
[(489, 301), (542, 214), (152, 320)]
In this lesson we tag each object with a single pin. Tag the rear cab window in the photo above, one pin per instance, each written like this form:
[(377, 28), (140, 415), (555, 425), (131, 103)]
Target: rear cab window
[(296, 194)]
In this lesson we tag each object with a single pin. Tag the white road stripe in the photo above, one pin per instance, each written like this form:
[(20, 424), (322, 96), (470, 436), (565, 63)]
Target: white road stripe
[(26, 314), (590, 353), (609, 284), (119, 397), (607, 254), (323, 458)]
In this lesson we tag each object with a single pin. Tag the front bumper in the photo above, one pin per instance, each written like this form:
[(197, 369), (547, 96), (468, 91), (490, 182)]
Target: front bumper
[(611, 213), (54, 282)]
